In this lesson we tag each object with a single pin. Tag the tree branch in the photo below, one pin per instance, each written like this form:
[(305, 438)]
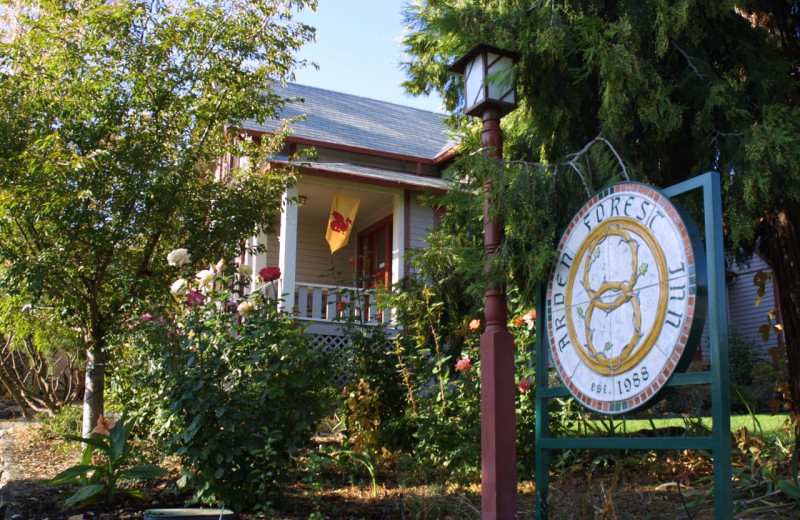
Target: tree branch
[(689, 59)]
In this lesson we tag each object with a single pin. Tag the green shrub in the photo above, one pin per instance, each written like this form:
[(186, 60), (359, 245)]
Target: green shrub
[(742, 358), (239, 387), (65, 421)]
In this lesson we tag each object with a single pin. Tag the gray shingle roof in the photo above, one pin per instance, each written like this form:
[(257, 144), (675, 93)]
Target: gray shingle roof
[(359, 122), (378, 174)]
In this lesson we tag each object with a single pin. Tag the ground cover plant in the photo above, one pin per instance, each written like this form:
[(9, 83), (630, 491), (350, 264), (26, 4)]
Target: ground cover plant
[(102, 480)]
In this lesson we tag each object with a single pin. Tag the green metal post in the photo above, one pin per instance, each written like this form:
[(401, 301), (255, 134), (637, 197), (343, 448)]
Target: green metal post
[(542, 470), (718, 330)]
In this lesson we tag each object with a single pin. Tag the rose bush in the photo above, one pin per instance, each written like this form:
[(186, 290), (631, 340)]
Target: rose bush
[(236, 384)]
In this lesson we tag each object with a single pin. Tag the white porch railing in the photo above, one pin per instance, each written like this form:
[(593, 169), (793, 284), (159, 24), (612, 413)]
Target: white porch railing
[(318, 302), (331, 303)]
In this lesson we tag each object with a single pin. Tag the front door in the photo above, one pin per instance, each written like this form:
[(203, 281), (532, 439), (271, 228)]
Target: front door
[(375, 254)]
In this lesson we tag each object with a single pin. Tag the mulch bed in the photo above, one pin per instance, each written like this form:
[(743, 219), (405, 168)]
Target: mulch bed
[(576, 495)]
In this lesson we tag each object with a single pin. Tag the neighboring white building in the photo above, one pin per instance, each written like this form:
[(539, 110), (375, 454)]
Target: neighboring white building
[(744, 315)]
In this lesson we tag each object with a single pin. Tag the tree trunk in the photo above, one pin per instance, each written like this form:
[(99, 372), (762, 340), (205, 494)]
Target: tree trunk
[(780, 244), (93, 389)]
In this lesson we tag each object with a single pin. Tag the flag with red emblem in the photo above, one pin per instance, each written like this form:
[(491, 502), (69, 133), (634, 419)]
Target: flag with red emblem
[(340, 221)]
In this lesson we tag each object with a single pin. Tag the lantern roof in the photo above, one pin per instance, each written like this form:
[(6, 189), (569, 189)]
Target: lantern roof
[(460, 65)]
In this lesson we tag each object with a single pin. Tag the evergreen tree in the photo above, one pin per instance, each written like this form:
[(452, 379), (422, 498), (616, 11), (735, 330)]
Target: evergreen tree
[(657, 90)]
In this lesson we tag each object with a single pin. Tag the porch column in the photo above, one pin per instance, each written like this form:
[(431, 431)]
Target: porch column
[(287, 259), (399, 233)]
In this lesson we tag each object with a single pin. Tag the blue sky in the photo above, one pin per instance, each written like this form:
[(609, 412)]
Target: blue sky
[(358, 51)]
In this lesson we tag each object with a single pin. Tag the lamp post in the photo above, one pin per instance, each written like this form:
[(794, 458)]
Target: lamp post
[(489, 93)]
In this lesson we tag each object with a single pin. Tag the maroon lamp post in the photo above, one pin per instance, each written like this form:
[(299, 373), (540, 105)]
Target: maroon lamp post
[(489, 93)]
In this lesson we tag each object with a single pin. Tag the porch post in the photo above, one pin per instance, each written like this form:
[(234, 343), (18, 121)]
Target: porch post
[(287, 259), (399, 233)]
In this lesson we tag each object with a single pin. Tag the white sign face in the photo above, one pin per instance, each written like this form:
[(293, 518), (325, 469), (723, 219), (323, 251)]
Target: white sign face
[(621, 298)]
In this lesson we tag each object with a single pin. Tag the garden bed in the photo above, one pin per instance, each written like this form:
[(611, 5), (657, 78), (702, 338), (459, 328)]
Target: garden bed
[(587, 486)]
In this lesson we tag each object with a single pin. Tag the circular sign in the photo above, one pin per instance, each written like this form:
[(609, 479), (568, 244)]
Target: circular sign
[(623, 297)]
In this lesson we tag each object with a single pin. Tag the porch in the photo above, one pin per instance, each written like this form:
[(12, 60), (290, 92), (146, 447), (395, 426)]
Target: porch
[(322, 288)]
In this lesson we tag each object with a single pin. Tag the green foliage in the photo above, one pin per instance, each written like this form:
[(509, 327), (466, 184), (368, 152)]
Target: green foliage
[(677, 89), (66, 419), (742, 359), (113, 118), (438, 308), (237, 383), (100, 480), (46, 349), (48, 331), (669, 89)]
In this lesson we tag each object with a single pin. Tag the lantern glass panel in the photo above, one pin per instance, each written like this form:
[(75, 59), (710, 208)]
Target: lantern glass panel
[(500, 78), (473, 82)]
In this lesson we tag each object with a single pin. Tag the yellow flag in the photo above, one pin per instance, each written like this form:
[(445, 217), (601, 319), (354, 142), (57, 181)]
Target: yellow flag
[(340, 221)]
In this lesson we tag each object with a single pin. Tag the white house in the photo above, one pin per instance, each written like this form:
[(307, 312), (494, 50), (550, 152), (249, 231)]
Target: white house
[(382, 154)]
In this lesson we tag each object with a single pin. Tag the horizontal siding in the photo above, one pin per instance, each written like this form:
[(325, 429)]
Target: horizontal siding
[(743, 315), (315, 263), (420, 223)]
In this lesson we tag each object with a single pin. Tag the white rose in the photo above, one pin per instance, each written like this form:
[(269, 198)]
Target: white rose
[(178, 287), (245, 308), (179, 257), (220, 266), (206, 276), (245, 270)]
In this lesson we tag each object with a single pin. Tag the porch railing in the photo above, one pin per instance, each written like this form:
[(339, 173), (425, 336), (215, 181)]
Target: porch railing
[(330, 303)]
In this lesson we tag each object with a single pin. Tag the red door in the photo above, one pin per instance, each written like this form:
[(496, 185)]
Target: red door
[(375, 263), (375, 254)]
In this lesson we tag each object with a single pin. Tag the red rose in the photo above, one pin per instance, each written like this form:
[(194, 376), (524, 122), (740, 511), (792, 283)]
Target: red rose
[(194, 298), (270, 274)]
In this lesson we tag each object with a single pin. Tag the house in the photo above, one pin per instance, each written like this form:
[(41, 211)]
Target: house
[(382, 154), (749, 313), (386, 156)]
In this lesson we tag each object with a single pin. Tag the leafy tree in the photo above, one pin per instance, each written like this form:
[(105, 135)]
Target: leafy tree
[(656, 90), (114, 118)]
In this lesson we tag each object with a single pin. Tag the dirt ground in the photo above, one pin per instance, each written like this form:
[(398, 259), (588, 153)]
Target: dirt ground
[(620, 494)]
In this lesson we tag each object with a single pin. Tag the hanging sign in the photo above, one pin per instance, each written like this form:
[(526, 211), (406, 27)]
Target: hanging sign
[(626, 298)]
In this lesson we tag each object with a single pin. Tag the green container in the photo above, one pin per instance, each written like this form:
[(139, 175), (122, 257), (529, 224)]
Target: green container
[(189, 513)]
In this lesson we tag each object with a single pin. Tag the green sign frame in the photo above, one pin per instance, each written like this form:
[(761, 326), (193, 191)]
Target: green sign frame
[(718, 443)]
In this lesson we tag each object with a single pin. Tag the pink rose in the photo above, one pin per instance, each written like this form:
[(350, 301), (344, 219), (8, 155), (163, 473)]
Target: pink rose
[(475, 324), (529, 317), (464, 364), (524, 385)]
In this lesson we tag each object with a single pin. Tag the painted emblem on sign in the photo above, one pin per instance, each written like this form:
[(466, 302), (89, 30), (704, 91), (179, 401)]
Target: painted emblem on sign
[(624, 298)]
